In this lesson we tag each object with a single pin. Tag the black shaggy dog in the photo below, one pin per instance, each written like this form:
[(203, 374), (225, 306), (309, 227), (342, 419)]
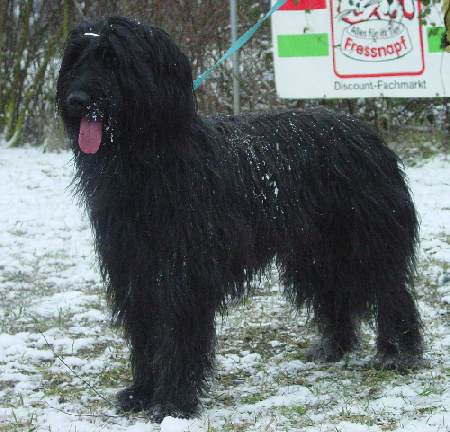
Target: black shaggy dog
[(187, 210)]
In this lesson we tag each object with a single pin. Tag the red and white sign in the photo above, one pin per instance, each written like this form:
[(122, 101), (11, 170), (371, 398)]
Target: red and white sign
[(386, 36), (366, 48)]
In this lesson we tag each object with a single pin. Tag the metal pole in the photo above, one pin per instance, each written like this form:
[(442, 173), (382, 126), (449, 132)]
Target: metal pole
[(236, 89)]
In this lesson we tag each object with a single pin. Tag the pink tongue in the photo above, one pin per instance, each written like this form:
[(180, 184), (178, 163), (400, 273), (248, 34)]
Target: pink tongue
[(90, 135)]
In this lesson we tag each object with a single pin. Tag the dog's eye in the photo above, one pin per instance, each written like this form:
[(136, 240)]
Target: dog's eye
[(109, 59), (75, 49)]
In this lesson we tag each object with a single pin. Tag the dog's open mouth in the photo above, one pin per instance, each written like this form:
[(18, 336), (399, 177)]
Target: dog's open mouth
[(90, 135)]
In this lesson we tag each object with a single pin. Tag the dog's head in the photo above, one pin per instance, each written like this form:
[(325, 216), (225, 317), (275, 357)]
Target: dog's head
[(121, 80)]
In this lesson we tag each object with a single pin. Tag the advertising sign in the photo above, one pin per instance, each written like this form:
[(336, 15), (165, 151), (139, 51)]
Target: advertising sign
[(350, 48)]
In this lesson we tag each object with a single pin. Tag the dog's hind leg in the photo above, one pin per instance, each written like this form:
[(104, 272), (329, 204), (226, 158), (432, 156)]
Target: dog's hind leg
[(399, 341), (337, 328), (310, 282)]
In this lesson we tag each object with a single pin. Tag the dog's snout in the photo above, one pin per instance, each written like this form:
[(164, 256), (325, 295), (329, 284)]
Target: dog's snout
[(77, 100)]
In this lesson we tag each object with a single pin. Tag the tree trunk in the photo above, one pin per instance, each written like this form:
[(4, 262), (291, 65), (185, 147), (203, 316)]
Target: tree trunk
[(16, 81)]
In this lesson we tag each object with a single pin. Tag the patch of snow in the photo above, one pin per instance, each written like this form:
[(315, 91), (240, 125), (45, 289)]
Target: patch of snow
[(354, 427), (140, 427), (171, 424), (65, 301), (446, 299)]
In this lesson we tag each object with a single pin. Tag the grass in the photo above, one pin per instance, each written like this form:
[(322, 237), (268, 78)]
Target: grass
[(20, 425), (416, 147)]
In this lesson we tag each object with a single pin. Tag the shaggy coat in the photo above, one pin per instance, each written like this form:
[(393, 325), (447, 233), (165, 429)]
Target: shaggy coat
[(187, 210)]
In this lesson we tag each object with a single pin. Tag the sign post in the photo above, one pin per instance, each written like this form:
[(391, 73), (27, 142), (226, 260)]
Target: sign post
[(347, 49), (236, 85)]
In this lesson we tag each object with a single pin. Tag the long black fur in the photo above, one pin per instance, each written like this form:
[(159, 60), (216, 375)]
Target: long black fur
[(187, 210)]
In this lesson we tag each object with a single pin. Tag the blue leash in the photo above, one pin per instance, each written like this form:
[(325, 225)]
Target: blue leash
[(238, 44)]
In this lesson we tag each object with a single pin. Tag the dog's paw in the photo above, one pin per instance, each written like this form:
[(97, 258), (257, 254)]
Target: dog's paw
[(161, 410), (401, 362), (324, 351), (133, 400)]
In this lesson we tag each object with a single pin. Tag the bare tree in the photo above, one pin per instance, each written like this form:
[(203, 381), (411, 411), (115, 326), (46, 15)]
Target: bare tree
[(32, 34)]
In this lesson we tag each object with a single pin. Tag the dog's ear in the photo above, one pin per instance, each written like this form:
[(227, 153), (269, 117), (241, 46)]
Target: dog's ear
[(172, 74)]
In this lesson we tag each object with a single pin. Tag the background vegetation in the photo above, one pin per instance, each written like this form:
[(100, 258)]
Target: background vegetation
[(32, 34)]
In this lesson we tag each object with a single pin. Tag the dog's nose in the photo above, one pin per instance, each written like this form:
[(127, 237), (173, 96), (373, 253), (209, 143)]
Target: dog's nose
[(77, 100)]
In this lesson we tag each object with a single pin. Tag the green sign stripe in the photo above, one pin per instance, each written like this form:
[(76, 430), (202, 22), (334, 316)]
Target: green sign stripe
[(434, 35), (304, 45)]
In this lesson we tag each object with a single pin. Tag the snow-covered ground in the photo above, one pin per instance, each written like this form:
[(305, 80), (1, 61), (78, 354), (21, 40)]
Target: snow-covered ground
[(61, 362)]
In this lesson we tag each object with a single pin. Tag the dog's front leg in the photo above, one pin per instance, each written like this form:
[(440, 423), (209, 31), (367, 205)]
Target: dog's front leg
[(141, 331), (172, 345), (183, 355)]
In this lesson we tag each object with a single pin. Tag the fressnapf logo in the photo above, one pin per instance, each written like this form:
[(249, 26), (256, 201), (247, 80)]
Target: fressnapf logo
[(377, 38)]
